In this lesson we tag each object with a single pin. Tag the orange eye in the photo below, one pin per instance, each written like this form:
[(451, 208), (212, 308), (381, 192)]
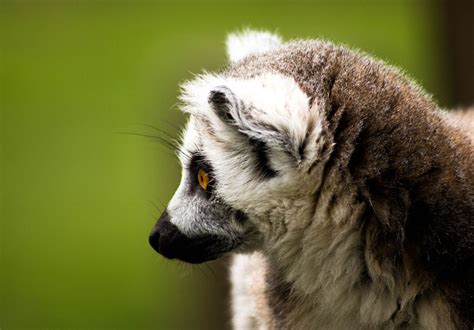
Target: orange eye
[(203, 178)]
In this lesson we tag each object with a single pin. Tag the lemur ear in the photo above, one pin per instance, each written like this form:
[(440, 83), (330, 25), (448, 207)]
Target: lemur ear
[(223, 101), (249, 42), (270, 109), (231, 110)]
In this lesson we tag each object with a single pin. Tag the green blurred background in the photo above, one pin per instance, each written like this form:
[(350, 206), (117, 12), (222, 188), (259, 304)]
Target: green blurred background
[(78, 197)]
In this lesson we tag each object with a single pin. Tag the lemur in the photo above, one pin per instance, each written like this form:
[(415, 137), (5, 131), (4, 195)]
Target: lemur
[(344, 193)]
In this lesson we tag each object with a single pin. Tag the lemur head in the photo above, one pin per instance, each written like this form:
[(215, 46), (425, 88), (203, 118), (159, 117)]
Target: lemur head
[(247, 156)]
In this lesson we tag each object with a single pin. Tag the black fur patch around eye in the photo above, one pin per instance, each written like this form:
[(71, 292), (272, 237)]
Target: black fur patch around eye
[(198, 161), (263, 163)]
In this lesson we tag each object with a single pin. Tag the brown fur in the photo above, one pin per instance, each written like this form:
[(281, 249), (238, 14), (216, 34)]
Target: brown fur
[(411, 168), (463, 119)]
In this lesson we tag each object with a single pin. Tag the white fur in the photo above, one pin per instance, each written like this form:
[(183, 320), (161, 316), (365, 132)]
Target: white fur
[(248, 42), (275, 100), (322, 258), (249, 305), (313, 240)]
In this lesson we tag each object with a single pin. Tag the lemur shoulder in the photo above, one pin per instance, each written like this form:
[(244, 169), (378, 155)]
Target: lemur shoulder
[(344, 191)]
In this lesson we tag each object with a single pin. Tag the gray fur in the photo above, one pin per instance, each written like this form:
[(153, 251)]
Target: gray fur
[(368, 222)]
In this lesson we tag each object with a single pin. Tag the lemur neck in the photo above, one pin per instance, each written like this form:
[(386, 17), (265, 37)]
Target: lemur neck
[(320, 264)]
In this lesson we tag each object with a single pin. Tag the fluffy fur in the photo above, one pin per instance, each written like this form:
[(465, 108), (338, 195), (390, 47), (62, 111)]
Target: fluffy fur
[(462, 119), (248, 42), (347, 191)]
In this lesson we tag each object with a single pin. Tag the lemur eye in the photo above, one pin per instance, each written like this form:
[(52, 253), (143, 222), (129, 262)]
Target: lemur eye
[(203, 178)]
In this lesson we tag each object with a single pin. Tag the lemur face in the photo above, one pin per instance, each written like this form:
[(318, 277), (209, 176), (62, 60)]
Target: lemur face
[(198, 225), (247, 155)]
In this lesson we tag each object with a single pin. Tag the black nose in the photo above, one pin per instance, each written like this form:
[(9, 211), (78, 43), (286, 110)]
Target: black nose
[(162, 226), (170, 242), (167, 239), (154, 239)]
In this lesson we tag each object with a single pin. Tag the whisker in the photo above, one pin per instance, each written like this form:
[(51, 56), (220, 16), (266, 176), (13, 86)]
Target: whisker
[(211, 270), (159, 130), (171, 142), (171, 124), (164, 134), (174, 106), (158, 209), (160, 139)]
